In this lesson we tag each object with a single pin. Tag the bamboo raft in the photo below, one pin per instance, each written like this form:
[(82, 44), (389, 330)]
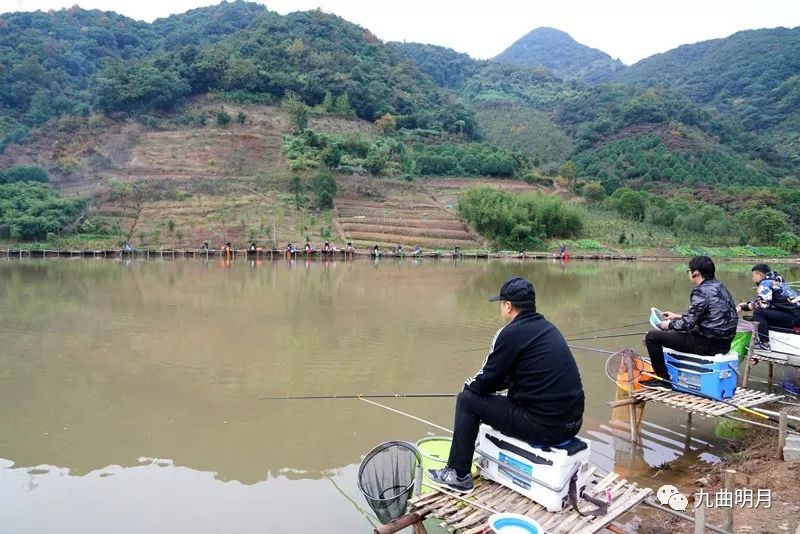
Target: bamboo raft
[(470, 514), (702, 405)]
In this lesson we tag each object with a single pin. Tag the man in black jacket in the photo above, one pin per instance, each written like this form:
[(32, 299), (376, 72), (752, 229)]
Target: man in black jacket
[(707, 328), (531, 359)]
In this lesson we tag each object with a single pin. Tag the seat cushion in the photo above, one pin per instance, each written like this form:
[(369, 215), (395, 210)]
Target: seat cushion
[(572, 446)]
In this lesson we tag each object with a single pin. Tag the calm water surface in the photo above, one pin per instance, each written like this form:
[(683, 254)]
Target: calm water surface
[(128, 389)]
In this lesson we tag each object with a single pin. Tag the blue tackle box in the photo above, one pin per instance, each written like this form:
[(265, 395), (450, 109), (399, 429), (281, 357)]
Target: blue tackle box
[(709, 376)]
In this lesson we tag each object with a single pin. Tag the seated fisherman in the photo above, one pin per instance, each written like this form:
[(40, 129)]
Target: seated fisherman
[(776, 305), (707, 328), (530, 358)]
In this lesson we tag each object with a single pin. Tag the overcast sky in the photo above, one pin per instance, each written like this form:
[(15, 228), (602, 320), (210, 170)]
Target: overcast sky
[(628, 29)]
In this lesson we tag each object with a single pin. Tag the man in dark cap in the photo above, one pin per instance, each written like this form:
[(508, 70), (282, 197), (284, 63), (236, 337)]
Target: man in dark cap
[(776, 305), (531, 359)]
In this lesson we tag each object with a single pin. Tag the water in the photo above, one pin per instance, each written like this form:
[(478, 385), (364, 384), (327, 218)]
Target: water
[(129, 389)]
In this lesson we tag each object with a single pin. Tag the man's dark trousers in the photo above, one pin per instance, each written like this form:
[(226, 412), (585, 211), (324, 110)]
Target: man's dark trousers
[(502, 414), (774, 318), (657, 340)]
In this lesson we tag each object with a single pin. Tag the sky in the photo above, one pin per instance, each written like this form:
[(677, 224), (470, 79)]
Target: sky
[(626, 29)]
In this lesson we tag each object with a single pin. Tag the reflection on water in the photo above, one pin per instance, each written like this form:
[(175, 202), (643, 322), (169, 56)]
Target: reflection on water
[(105, 363)]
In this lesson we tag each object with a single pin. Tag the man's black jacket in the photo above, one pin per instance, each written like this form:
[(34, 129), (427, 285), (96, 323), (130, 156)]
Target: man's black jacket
[(712, 312), (530, 357)]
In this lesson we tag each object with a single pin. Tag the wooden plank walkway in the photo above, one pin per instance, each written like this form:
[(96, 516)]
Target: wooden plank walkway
[(470, 513), (703, 405), (277, 254)]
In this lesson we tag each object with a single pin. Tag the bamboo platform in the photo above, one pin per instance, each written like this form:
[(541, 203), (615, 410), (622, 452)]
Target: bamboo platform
[(772, 357), (459, 516), (278, 254), (703, 405)]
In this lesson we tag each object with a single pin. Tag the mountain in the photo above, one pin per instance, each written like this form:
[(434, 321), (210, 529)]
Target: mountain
[(753, 76), (561, 54)]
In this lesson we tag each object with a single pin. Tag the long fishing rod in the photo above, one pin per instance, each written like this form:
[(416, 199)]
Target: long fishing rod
[(360, 396), (606, 337), (609, 328)]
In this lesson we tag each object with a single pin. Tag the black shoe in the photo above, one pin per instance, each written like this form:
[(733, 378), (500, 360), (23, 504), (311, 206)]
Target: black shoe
[(761, 346), (448, 479)]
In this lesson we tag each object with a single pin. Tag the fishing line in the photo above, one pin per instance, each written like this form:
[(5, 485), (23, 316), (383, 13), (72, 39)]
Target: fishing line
[(379, 405)]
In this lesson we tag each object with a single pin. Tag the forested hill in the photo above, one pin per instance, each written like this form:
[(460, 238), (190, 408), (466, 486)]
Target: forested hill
[(561, 54), (753, 76), (73, 61), (48, 60)]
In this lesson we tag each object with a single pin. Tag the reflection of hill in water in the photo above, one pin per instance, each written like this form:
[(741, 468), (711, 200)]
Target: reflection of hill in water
[(103, 364)]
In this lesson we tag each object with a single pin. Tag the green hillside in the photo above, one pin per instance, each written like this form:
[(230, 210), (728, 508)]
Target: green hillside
[(561, 54), (237, 91), (752, 76)]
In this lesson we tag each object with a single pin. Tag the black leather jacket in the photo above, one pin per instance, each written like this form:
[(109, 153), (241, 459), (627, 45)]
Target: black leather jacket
[(712, 312)]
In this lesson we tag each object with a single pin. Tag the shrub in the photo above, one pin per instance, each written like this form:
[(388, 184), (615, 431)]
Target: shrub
[(31, 210), (241, 118), (518, 221), (223, 118), (22, 173)]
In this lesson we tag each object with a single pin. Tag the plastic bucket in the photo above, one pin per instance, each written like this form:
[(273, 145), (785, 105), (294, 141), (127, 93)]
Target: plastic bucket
[(434, 451)]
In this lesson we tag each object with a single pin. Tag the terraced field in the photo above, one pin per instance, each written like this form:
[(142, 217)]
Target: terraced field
[(407, 214)]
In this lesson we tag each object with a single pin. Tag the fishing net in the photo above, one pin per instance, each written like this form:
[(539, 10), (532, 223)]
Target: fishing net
[(629, 370), (386, 478)]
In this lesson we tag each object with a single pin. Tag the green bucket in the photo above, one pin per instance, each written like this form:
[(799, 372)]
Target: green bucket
[(434, 451), (741, 343)]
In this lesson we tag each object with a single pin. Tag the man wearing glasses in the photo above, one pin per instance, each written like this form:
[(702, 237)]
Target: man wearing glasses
[(707, 328)]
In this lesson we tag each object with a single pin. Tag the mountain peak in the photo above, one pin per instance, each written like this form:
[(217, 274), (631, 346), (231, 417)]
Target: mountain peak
[(559, 53)]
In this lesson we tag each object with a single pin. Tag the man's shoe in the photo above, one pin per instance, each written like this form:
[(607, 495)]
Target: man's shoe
[(761, 346), (448, 479)]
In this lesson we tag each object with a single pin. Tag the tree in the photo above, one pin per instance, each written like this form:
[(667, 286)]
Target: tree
[(327, 105), (23, 173), (569, 173), (296, 188), (386, 124), (297, 110), (223, 118), (325, 187), (764, 225), (632, 205), (343, 105), (594, 191)]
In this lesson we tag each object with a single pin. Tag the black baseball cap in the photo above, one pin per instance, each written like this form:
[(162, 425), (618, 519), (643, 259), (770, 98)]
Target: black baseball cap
[(518, 291)]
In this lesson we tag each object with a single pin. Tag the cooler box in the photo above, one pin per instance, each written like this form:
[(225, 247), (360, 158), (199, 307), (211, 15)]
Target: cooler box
[(709, 376), (542, 474)]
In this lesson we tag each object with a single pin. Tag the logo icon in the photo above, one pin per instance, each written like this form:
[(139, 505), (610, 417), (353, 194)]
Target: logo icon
[(670, 496)]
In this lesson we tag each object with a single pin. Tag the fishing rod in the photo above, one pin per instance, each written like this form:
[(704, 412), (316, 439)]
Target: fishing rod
[(606, 337), (360, 396), (609, 328)]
